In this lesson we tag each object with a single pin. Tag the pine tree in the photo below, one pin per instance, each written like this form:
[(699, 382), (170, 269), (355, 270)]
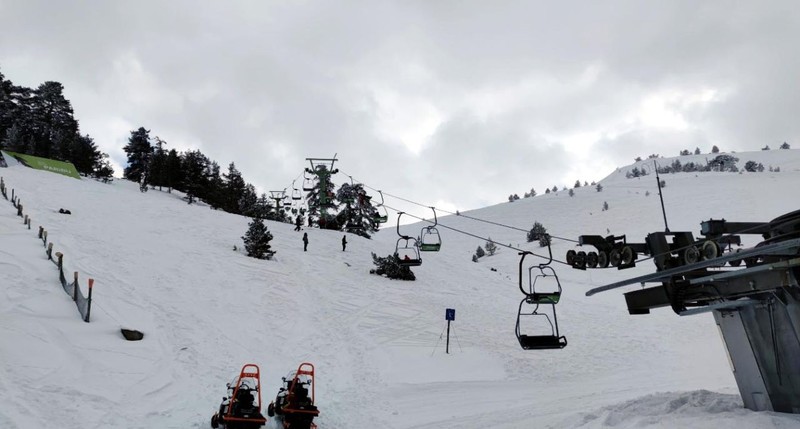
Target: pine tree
[(605, 205), (697, 151), (138, 150), (785, 146), (577, 184), (571, 192), (538, 232), (55, 127), (234, 190), (491, 248), (174, 172), (158, 164), (599, 187), (194, 165), (358, 215), (256, 240), (480, 252), (215, 194), (715, 149)]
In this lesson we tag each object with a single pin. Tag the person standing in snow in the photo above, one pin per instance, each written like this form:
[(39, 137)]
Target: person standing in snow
[(298, 223), (344, 243), (305, 242)]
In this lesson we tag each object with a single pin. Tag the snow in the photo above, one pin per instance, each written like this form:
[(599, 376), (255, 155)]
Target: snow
[(169, 270)]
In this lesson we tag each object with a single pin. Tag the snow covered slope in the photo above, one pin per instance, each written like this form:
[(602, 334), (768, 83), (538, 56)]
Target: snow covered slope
[(169, 270)]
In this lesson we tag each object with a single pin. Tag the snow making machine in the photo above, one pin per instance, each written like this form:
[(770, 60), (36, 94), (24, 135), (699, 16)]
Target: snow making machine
[(241, 407), (753, 294), (295, 402)]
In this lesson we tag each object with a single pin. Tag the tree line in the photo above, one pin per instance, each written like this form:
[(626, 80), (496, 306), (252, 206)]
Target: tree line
[(41, 122), (153, 166)]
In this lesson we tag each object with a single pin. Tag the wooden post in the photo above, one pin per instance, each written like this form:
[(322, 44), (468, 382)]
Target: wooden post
[(25, 220), (29, 223), (19, 209), (75, 288), (60, 257), (89, 301), (50, 251), (44, 238), (41, 231)]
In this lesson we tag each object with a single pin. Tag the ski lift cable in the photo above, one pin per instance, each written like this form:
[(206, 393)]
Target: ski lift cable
[(475, 236), (523, 230), (462, 215), (512, 227)]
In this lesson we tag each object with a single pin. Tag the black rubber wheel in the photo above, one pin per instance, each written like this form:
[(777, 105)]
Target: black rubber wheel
[(214, 422), (710, 250), (580, 260), (591, 259), (571, 256), (271, 409), (614, 257), (627, 256), (602, 259), (691, 255)]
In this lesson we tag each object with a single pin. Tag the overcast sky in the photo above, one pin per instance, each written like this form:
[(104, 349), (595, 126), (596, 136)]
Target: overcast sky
[(450, 103)]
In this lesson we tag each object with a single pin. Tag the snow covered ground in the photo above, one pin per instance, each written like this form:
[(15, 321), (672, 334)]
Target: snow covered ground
[(169, 269)]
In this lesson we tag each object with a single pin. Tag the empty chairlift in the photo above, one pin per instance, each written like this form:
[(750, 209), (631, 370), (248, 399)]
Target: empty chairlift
[(430, 240), (537, 323), (296, 195), (381, 215), (308, 181), (407, 248)]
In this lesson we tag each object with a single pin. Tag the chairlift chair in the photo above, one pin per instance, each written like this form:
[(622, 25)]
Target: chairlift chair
[(430, 241), (407, 251), (429, 238), (540, 339), (407, 248), (296, 195), (308, 181), (543, 285), (542, 294), (381, 215)]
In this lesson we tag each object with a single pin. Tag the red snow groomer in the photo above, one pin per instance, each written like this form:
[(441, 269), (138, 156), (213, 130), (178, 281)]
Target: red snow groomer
[(241, 408), (295, 400)]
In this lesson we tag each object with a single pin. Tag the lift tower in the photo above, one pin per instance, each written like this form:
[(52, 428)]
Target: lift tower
[(323, 168)]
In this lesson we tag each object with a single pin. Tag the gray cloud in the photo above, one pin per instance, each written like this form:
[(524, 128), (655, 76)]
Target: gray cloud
[(458, 102)]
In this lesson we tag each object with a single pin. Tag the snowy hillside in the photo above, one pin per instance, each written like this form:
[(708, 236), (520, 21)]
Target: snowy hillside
[(169, 269)]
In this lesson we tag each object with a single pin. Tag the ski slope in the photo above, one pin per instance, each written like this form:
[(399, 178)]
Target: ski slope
[(169, 270)]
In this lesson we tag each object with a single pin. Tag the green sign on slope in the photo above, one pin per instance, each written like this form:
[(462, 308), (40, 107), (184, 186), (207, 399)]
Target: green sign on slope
[(60, 167)]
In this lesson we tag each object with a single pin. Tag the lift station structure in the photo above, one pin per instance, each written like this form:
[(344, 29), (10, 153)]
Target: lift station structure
[(753, 294)]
